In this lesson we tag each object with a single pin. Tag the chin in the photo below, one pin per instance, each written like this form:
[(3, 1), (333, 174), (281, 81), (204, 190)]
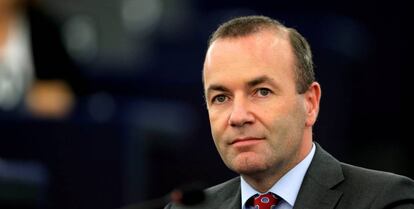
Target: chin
[(247, 164), (249, 171)]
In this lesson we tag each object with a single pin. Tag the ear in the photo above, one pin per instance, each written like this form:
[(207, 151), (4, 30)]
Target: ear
[(312, 99)]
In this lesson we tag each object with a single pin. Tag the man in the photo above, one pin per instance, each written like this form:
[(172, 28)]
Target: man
[(263, 100)]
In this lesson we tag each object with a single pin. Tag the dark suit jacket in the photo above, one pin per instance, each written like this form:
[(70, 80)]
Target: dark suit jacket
[(328, 184)]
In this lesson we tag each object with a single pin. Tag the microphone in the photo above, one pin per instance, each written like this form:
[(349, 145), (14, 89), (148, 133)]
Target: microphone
[(187, 195)]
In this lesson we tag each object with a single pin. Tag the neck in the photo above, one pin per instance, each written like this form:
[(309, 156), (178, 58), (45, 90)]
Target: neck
[(262, 183)]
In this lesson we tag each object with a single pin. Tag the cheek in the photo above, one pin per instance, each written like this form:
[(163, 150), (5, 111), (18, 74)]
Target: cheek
[(280, 131), (285, 123), (272, 117), (218, 121), (213, 114), (290, 127), (216, 131), (214, 120)]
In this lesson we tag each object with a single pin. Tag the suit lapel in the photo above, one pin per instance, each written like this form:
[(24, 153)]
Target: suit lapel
[(232, 199), (323, 174), (234, 202)]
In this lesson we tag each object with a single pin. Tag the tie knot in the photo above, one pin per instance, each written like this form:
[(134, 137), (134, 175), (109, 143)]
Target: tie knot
[(265, 201)]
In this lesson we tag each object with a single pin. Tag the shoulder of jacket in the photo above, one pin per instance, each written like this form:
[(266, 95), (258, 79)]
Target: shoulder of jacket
[(234, 182), (351, 171)]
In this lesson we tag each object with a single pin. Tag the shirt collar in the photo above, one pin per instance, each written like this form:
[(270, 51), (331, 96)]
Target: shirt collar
[(287, 187)]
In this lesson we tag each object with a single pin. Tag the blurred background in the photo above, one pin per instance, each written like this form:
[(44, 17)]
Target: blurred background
[(101, 101)]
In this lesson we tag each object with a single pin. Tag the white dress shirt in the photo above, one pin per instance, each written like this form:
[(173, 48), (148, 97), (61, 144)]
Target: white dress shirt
[(287, 187)]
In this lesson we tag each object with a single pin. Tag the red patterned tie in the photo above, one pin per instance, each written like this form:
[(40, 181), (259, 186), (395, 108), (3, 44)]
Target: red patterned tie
[(265, 201)]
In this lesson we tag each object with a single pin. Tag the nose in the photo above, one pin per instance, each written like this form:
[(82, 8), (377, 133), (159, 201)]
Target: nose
[(240, 114)]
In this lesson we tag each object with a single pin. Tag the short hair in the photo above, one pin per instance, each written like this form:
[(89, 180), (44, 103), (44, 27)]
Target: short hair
[(248, 25)]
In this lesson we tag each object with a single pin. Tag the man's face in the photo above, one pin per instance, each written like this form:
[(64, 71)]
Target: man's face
[(257, 117)]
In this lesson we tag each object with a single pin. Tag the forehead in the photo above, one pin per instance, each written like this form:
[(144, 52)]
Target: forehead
[(263, 53)]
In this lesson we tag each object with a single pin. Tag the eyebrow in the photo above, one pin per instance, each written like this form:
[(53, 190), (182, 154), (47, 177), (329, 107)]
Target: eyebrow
[(251, 83), (260, 80), (215, 87)]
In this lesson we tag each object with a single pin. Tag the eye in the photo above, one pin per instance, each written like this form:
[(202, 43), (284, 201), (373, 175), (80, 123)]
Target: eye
[(219, 99), (263, 92)]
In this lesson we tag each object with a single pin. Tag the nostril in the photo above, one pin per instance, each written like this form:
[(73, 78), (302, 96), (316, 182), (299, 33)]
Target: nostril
[(241, 120), (232, 124)]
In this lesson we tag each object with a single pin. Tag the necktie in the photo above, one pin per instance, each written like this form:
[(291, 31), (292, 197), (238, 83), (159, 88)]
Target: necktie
[(265, 201)]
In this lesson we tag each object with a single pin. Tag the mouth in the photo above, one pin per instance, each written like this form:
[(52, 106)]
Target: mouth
[(246, 141)]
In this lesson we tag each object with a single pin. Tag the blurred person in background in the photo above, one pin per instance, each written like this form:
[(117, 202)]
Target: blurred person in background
[(37, 80), (263, 100), (36, 74)]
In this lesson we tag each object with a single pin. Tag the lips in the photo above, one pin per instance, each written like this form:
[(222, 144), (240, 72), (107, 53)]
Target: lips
[(246, 141)]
